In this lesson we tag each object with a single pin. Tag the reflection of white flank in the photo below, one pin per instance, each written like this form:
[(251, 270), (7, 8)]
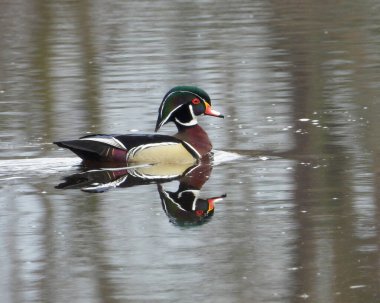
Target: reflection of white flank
[(159, 171), (139, 174)]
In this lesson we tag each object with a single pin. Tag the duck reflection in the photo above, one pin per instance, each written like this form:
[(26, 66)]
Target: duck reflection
[(183, 206)]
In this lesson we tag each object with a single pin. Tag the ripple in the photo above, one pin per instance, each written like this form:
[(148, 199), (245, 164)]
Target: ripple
[(13, 168)]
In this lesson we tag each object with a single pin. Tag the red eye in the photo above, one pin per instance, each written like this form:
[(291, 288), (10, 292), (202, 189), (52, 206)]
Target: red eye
[(195, 101)]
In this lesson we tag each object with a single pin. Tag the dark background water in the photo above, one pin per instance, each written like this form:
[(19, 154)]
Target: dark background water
[(299, 83)]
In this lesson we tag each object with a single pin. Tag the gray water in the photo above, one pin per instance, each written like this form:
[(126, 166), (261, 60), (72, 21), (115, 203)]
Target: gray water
[(298, 153)]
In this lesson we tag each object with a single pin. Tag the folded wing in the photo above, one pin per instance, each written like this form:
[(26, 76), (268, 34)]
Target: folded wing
[(131, 148)]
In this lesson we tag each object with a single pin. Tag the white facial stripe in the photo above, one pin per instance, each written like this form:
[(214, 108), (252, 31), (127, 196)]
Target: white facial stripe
[(164, 102), (167, 118), (191, 111), (192, 122)]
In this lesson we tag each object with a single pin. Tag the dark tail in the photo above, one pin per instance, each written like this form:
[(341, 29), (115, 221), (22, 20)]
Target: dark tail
[(87, 150)]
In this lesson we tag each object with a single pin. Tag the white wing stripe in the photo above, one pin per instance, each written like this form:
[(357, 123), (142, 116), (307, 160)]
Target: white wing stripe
[(193, 149), (110, 141)]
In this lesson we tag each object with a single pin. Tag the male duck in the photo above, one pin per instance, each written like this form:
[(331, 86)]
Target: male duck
[(181, 105)]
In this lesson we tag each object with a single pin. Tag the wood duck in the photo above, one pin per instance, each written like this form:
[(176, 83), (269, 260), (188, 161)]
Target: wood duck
[(181, 105)]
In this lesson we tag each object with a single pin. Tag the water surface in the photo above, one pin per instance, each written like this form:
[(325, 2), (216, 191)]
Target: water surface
[(298, 83)]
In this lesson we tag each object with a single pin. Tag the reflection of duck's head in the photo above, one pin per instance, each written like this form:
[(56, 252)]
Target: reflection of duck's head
[(184, 207)]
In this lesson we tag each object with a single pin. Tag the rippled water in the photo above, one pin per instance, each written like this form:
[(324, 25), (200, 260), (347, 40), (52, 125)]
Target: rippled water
[(297, 155)]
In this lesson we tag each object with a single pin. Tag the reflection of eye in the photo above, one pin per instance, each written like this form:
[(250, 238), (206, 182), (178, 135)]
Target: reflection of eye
[(199, 212), (195, 101)]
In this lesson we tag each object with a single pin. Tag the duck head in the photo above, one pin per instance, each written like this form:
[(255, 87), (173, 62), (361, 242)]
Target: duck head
[(182, 105)]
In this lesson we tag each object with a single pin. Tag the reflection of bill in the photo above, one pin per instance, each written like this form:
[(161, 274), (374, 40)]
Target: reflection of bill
[(183, 206)]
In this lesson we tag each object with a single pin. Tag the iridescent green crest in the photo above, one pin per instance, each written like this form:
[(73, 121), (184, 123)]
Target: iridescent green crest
[(177, 97)]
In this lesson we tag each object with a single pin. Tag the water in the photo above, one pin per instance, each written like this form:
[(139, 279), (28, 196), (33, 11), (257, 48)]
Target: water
[(297, 154)]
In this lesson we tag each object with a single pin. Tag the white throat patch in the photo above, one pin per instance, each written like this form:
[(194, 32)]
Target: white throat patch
[(192, 122)]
